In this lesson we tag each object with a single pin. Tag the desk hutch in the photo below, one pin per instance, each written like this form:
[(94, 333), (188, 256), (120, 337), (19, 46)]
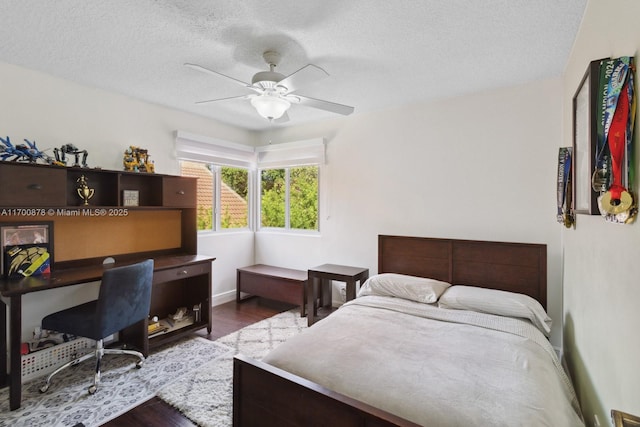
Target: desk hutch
[(162, 226)]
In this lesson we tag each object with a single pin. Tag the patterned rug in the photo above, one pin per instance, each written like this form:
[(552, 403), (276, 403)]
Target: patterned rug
[(121, 388), (205, 396)]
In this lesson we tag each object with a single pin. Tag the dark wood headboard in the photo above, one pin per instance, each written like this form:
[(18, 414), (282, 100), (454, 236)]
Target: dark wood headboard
[(514, 267)]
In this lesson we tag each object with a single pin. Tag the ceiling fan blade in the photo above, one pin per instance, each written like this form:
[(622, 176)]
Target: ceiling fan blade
[(304, 76), (223, 99), (325, 105), (215, 73)]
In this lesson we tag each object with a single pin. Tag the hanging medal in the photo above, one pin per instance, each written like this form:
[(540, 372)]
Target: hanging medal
[(630, 172), (564, 213), (601, 176), (617, 199)]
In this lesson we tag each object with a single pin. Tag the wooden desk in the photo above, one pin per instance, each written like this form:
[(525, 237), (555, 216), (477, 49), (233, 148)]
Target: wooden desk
[(322, 276), (178, 280)]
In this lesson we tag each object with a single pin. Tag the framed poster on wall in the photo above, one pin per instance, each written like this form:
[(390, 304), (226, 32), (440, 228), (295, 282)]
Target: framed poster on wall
[(585, 137)]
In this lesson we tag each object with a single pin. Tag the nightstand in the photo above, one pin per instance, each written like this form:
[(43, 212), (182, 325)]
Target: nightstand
[(320, 282)]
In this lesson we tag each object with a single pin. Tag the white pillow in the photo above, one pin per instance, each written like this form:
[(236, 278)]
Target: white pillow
[(493, 301), (413, 288)]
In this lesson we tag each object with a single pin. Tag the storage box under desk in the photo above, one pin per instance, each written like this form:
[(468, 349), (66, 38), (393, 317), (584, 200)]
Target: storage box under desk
[(276, 283)]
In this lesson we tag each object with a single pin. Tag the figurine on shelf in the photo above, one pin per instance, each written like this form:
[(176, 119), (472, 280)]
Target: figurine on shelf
[(28, 153), (20, 152), (136, 159), (7, 150), (84, 191), (61, 154)]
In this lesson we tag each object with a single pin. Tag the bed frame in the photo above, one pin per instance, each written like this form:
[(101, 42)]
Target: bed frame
[(264, 395)]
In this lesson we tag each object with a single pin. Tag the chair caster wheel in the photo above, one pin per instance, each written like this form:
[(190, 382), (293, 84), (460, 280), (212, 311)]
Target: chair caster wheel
[(92, 390), (44, 388)]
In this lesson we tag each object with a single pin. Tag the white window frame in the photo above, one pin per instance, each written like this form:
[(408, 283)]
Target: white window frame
[(287, 207), (216, 209), (285, 156), (219, 153)]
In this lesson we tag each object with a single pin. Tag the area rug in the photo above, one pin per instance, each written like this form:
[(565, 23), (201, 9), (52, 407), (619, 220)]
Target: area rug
[(121, 388), (205, 397)]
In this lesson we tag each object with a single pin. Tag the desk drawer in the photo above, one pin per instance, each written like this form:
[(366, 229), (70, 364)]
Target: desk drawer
[(32, 186), (179, 191), (181, 273)]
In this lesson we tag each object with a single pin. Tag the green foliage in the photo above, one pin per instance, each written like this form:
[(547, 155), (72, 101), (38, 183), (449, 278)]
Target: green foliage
[(303, 198), (228, 221), (205, 218), (237, 179), (273, 197)]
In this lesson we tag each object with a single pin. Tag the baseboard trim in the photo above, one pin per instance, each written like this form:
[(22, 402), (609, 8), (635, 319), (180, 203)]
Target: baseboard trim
[(224, 297)]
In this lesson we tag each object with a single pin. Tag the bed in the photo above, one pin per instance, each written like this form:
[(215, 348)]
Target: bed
[(448, 333)]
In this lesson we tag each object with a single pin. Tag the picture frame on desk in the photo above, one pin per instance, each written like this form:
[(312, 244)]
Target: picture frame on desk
[(14, 234)]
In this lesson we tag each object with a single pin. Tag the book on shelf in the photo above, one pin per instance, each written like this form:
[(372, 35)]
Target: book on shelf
[(159, 331), (156, 328)]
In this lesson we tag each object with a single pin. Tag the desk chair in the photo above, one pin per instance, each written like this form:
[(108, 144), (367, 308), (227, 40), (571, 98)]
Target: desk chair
[(124, 299)]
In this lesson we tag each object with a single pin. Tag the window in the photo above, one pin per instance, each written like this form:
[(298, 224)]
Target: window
[(234, 192), (282, 194), (289, 198), (221, 187)]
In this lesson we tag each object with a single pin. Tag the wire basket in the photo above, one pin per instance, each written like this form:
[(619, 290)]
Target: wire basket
[(45, 361)]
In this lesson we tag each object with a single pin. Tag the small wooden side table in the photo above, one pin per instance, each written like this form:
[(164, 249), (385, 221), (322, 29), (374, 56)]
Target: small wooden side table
[(321, 277)]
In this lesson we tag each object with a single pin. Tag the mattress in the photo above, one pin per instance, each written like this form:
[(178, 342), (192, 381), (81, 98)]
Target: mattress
[(435, 366)]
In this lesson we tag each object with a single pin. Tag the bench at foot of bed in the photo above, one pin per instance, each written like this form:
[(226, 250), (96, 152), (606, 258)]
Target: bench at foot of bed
[(276, 283)]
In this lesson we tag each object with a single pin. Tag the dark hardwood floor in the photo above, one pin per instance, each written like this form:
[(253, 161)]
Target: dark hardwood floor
[(227, 318)]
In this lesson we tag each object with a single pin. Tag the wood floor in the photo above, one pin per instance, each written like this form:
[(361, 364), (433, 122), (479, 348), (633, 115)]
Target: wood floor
[(227, 318)]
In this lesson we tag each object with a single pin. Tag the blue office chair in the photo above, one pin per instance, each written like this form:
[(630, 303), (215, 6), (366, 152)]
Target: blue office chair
[(124, 299)]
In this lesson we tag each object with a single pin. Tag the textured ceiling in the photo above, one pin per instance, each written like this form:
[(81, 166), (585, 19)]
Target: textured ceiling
[(379, 53)]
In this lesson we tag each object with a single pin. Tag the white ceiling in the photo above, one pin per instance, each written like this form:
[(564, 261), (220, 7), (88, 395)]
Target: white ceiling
[(379, 53)]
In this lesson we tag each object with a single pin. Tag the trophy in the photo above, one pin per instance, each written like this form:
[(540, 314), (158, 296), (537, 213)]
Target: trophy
[(84, 191)]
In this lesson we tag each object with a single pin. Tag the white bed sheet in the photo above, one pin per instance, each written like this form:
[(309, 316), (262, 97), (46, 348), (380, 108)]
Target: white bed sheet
[(435, 366)]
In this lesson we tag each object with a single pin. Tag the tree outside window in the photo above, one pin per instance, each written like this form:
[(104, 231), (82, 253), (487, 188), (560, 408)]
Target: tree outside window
[(289, 198), (234, 204)]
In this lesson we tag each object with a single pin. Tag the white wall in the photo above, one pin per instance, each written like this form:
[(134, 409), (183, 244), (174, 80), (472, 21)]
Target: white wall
[(54, 112), (601, 268), (231, 250), (476, 167)]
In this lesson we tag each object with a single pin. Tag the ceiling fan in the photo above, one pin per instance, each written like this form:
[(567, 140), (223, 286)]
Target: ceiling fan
[(275, 91)]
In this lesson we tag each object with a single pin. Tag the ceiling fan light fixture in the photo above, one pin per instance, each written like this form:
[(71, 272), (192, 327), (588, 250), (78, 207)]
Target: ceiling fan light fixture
[(276, 91), (269, 106)]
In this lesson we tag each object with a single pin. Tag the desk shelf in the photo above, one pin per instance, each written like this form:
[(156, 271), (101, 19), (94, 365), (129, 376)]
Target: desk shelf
[(34, 185), (37, 193), (175, 333)]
